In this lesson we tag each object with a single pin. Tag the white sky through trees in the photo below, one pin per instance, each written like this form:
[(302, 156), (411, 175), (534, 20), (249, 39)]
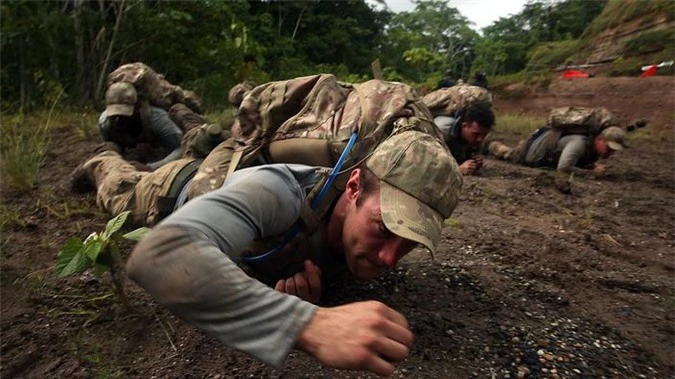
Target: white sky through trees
[(481, 12)]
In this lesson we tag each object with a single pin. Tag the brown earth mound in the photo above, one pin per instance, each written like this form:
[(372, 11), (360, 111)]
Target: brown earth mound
[(651, 98), (529, 282)]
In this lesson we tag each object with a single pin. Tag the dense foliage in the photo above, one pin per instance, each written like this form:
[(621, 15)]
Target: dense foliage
[(65, 48)]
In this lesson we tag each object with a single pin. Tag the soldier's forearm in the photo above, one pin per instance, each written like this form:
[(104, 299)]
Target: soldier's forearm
[(189, 275)]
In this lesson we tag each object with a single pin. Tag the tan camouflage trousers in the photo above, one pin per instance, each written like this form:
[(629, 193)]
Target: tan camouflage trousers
[(195, 142), (121, 187), (213, 170)]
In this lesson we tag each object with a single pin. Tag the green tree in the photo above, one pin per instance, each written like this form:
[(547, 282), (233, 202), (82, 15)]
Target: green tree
[(435, 31), (509, 42)]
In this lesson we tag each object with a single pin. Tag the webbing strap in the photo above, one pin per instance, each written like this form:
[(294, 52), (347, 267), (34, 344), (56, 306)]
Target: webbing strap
[(234, 162), (186, 173), (297, 227)]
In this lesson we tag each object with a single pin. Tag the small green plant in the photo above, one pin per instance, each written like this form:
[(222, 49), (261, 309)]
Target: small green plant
[(100, 252), (23, 148)]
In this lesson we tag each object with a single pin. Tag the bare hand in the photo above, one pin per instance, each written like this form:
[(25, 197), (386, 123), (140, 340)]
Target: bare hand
[(599, 169), (141, 166), (305, 285), (479, 162), (359, 336), (468, 167)]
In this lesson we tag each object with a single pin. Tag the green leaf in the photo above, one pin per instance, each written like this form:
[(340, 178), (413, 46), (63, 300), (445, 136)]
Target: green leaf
[(100, 269), (92, 248), (138, 234), (115, 254), (71, 258), (115, 224)]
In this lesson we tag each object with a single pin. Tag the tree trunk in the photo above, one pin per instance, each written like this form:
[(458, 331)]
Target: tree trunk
[(297, 24), (106, 61), (79, 51)]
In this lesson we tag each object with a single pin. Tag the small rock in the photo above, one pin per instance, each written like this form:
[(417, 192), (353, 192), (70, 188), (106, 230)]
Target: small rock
[(540, 352), (523, 372)]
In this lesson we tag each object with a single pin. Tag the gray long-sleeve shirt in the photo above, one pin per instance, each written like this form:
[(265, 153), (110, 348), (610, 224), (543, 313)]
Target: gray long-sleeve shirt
[(571, 151), (162, 131), (188, 262)]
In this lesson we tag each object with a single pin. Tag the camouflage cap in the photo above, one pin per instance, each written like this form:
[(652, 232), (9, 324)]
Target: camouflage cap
[(420, 184), (614, 136), (120, 99)]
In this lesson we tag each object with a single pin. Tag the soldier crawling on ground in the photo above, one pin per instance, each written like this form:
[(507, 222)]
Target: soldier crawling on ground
[(463, 113), (573, 141), (136, 118)]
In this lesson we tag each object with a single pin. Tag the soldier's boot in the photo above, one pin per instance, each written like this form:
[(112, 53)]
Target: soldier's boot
[(82, 179), (192, 101), (199, 142), (185, 118), (499, 150)]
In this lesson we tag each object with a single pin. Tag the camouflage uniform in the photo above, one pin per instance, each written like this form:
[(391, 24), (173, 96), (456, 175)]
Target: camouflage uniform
[(122, 187), (568, 128), (191, 262), (153, 88), (453, 100)]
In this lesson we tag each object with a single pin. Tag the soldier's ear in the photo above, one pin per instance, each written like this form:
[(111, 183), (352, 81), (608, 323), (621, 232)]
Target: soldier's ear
[(353, 185)]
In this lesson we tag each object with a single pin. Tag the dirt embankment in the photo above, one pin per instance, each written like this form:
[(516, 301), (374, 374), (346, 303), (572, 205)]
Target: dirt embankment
[(651, 98)]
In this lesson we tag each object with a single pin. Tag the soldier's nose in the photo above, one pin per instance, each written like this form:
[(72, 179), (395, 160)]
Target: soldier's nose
[(393, 251)]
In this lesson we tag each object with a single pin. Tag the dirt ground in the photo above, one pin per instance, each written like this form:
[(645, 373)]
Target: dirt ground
[(528, 282)]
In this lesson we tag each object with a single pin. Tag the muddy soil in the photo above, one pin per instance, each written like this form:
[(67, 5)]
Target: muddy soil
[(528, 282)]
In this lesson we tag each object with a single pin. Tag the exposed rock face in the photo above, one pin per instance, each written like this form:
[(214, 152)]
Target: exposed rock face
[(609, 44)]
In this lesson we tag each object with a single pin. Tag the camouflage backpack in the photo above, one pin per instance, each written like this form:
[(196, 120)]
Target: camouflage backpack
[(309, 120), (153, 88), (453, 100), (581, 120)]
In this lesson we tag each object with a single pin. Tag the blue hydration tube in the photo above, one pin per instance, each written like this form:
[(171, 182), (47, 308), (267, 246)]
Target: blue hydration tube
[(297, 227)]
